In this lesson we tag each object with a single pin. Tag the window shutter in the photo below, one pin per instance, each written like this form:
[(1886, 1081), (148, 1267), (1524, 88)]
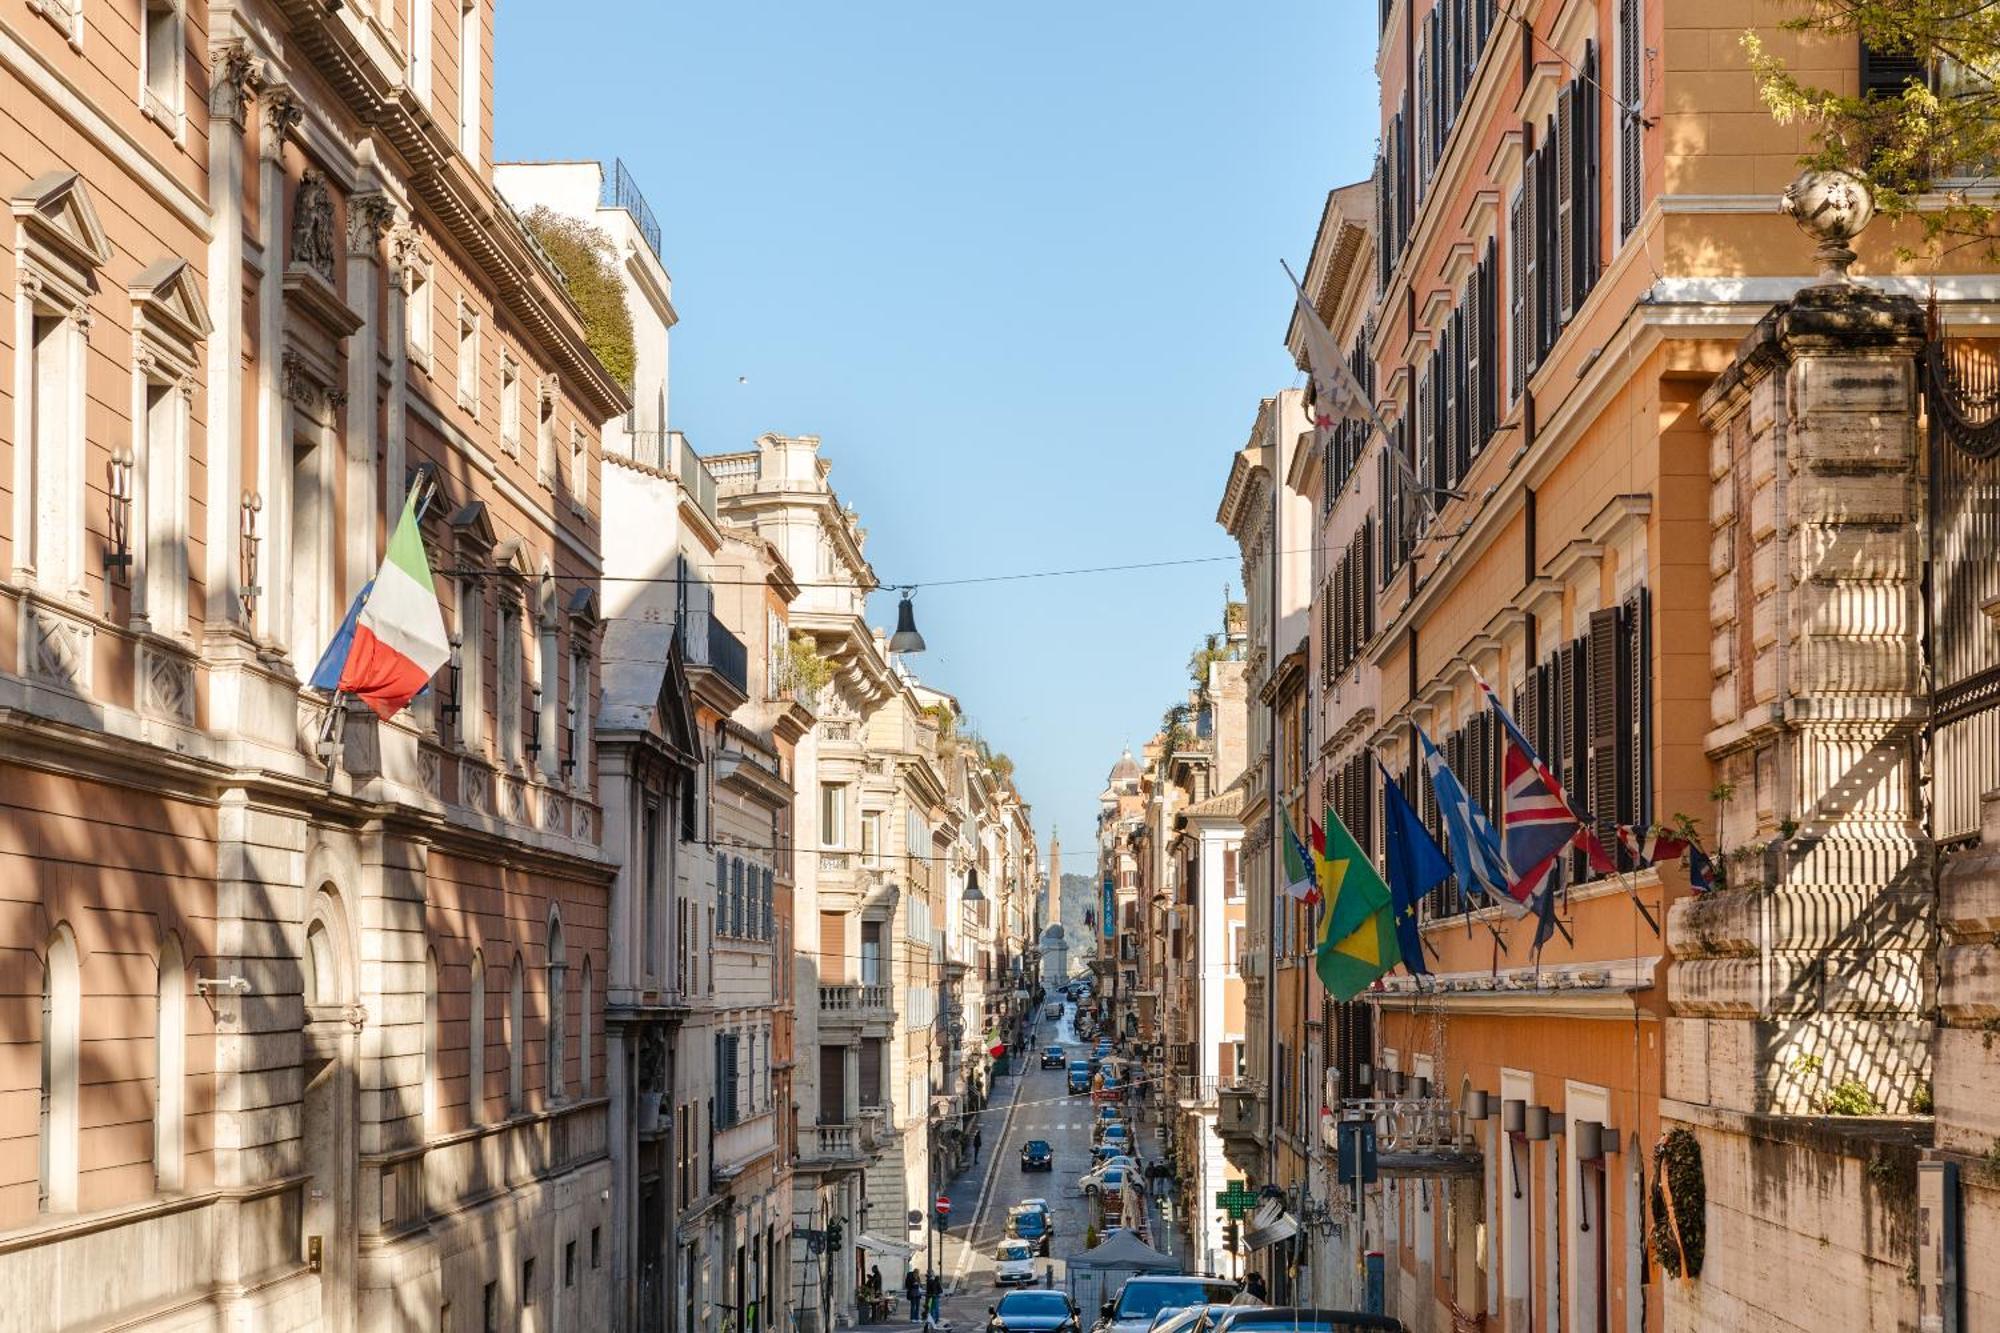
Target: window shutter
[(1631, 130), (1565, 165), (1425, 102), (1449, 452), (1886, 74), (1463, 442), (1426, 463), (1531, 292), (1440, 434), (1602, 722), (1367, 578), (1564, 682), (1518, 275), (1475, 349), (1588, 152), (1385, 473), (1637, 615)]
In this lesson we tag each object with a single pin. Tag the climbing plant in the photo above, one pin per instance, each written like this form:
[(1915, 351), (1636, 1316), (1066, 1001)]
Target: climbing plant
[(1679, 1204), (588, 262)]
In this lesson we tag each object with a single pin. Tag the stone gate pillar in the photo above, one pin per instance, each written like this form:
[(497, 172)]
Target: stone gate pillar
[(1801, 984)]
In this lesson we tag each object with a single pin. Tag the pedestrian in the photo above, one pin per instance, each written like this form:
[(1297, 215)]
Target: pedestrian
[(978, 1142), (1048, 1275), (913, 1290), (934, 1290), (1254, 1284)]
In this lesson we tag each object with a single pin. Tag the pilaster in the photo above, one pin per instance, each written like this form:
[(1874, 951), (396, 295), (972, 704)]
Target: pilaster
[(1807, 968)]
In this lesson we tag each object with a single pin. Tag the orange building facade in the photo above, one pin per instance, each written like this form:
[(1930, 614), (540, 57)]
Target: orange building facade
[(303, 1015)]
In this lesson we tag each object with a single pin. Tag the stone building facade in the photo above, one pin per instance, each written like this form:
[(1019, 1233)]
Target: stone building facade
[(314, 1001)]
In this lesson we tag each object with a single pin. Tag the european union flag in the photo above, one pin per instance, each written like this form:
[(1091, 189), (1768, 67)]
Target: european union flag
[(1416, 866)]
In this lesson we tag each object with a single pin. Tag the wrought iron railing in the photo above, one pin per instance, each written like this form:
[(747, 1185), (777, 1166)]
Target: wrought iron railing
[(707, 642), (620, 190)]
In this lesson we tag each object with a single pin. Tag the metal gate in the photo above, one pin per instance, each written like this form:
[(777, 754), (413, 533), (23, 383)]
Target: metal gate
[(1962, 639)]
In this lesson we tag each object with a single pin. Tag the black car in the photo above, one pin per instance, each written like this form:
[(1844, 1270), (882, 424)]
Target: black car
[(1034, 1311), (1052, 1057), (1036, 1155)]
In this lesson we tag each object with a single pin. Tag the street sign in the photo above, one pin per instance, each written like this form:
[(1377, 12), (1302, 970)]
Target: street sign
[(943, 1206), (1237, 1200)]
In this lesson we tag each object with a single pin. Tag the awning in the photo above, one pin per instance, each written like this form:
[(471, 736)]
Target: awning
[(887, 1248)]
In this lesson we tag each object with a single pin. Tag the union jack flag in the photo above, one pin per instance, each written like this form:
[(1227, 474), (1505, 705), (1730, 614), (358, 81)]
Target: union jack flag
[(1538, 820)]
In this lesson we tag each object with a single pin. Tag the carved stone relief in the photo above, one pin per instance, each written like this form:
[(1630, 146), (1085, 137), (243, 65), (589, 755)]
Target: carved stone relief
[(166, 684), (57, 648), (312, 224)]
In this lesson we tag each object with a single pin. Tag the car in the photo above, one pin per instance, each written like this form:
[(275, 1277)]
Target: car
[(1052, 1010), (1053, 1057), (1036, 1155), (1032, 1225), (1103, 1126), (1108, 1178), (1142, 1297), (1104, 1152), (1035, 1311), (1192, 1318), (1014, 1263), (1106, 1114), (1095, 1064), (1079, 1077), (1306, 1319)]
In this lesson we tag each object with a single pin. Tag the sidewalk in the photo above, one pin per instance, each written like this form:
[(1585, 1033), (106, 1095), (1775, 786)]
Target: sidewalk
[(965, 1189)]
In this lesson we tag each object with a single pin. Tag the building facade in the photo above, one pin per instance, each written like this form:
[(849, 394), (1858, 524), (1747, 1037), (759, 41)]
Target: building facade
[(321, 995)]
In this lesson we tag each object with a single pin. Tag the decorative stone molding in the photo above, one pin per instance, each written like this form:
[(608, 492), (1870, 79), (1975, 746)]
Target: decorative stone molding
[(370, 217), (282, 114), (166, 682), (57, 647), (234, 78)]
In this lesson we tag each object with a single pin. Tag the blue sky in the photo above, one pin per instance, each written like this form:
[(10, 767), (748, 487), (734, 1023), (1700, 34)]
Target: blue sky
[(1015, 264)]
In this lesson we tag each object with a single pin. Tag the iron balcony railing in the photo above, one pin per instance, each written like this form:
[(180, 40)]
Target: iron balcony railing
[(707, 642), (620, 190)]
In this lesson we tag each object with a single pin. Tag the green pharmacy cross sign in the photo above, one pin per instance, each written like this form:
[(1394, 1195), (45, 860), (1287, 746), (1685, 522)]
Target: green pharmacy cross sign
[(1237, 1200)]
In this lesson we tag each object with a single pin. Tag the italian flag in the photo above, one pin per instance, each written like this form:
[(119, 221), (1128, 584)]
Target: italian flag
[(393, 639)]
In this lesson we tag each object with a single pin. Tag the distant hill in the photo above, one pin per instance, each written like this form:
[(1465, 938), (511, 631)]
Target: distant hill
[(1079, 895)]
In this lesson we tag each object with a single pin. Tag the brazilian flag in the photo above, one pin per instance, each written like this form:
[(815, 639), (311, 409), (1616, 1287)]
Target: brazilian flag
[(1356, 941)]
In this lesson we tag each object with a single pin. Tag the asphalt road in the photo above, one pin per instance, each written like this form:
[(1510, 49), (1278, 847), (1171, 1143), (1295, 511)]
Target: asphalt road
[(1032, 1103)]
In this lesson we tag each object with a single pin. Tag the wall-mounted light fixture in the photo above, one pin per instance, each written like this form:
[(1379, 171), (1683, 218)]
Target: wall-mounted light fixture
[(1477, 1104)]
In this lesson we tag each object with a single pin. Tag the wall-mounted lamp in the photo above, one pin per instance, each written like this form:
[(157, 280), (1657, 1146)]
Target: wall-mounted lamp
[(118, 552), (569, 739), (535, 722), (1477, 1104), (448, 706), (1513, 1115), (1535, 1128)]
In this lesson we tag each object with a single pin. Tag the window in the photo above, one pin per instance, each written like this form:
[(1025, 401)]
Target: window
[(510, 405), (579, 719), (584, 1070), (1630, 112), (160, 557), (517, 1017), (471, 73), (832, 815), (548, 687), (579, 467), (321, 969), (468, 357), (871, 837), (170, 1070), (1232, 883), (871, 953), (527, 1282), (739, 915), (507, 706), (417, 305), (871, 1072), (726, 1046), (430, 1071), (62, 1017), (475, 1043), (160, 46), (649, 872), (596, 1251), (545, 440), (558, 984), (420, 55), (569, 1263), (472, 662), (490, 1306)]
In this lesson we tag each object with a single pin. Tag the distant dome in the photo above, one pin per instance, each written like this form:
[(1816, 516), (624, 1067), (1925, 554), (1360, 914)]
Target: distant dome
[(1126, 769)]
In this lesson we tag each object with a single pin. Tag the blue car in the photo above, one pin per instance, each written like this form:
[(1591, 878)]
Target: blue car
[(1079, 1077)]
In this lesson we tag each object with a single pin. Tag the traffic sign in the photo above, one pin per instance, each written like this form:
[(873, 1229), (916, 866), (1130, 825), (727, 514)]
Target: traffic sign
[(943, 1206), (1237, 1200)]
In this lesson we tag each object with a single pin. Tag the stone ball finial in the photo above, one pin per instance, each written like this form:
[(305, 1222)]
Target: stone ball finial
[(1831, 207)]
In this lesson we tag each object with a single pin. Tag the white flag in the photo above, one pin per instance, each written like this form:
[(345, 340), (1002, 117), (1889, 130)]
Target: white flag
[(1336, 396)]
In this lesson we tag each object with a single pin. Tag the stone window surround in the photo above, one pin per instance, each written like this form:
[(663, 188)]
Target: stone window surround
[(65, 15), (468, 329), (419, 305), (169, 325), (169, 112)]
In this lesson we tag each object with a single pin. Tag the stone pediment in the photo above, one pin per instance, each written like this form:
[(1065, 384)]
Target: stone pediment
[(169, 300), (472, 527), (310, 295), (55, 211)]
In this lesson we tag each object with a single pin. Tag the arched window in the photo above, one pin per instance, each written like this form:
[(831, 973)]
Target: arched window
[(170, 1069), (322, 970), (583, 1064), (558, 982), (430, 1071), (62, 1008), (475, 1043), (515, 1013)]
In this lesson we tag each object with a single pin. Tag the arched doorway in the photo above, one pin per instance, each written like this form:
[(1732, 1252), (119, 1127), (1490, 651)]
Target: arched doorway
[(327, 1222)]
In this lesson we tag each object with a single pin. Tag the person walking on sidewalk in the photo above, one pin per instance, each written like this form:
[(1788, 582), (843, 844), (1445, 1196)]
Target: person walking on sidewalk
[(913, 1289), (978, 1142), (933, 1294)]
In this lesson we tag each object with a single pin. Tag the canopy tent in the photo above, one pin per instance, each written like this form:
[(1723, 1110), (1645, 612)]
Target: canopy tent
[(1096, 1274)]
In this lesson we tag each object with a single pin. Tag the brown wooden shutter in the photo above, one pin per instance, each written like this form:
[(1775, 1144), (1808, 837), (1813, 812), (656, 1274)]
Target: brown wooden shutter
[(1588, 151), (1531, 284), (1885, 74), (1517, 294), (1638, 740), (1603, 723), (1630, 114), (1565, 166)]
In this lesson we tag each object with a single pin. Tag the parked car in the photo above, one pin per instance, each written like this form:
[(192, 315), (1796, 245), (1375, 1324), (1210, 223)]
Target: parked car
[(1193, 1318), (1104, 1152), (1142, 1298), (1053, 1057), (1036, 1155), (1031, 1224), (1108, 1178), (1079, 1076), (1272, 1318), (1035, 1311), (1052, 1010), (1113, 1129), (1014, 1264)]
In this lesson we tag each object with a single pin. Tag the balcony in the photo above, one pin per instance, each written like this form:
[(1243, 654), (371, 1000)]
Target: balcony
[(619, 190), (1240, 1122), (856, 1006), (830, 1147), (708, 645), (667, 453)]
